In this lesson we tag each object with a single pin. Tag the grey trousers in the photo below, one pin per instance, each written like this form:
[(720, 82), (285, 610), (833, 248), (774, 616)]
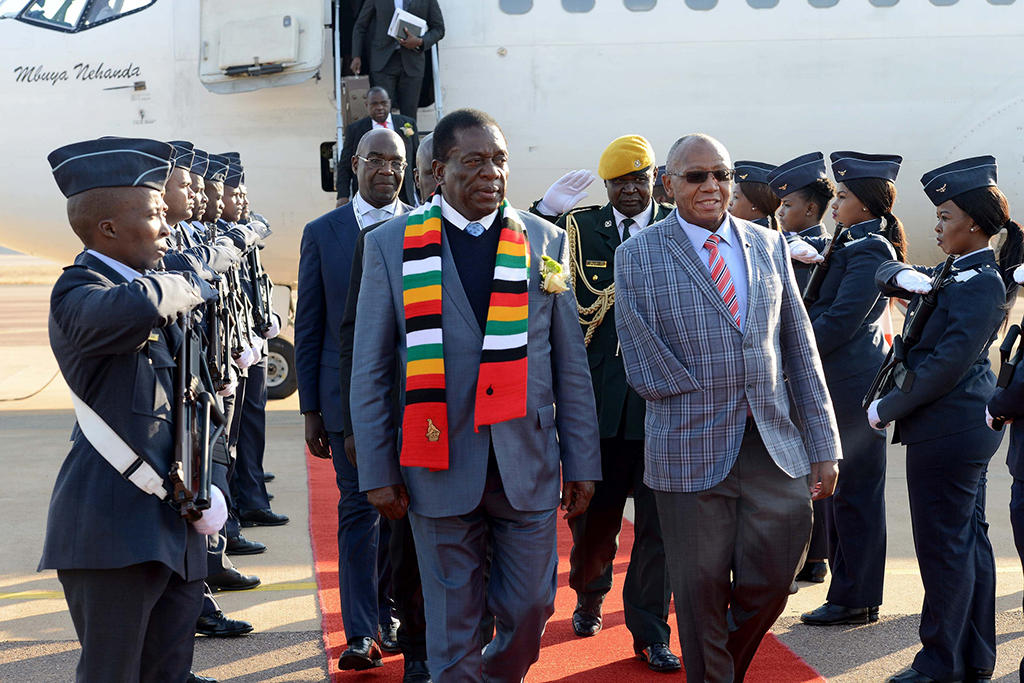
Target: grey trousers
[(733, 552)]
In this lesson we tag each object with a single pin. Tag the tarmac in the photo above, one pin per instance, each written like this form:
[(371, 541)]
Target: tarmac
[(37, 640)]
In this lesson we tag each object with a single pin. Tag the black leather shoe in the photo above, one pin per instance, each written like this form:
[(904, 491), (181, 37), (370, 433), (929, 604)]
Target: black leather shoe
[(586, 618), (389, 637), (263, 517), (910, 676), (659, 658), (813, 572), (232, 580), (217, 625), (196, 678), (268, 477), (416, 672), (361, 654), (973, 673), (832, 615), (240, 545)]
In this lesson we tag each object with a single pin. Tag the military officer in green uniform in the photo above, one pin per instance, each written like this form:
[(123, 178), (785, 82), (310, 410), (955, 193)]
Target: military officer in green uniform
[(629, 172)]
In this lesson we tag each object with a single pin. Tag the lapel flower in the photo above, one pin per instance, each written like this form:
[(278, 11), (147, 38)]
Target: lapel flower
[(552, 279), (407, 129)]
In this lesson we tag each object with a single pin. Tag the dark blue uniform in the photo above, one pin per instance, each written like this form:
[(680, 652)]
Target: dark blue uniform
[(941, 419)]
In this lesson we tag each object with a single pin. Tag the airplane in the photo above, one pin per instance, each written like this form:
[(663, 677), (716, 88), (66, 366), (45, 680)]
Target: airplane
[(932, 80)]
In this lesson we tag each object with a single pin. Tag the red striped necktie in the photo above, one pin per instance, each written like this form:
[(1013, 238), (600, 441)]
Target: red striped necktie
[(721, 277)]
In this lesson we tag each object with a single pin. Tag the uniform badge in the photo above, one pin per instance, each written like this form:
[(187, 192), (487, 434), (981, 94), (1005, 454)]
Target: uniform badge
[(841, 173), (433, 433), (941, 189), (153, 336), (744, 176), (636, 163), (596, 264), (782, 188), (607, 224)]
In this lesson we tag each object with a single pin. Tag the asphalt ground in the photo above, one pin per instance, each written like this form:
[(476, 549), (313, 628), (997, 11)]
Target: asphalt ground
[(37, 641)]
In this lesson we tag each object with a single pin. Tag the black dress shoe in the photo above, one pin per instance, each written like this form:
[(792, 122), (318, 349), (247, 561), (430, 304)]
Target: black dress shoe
[(973, 673), (361, 654), (240, 545), (268, 477), (586, 618), (659, 658), (262, 517), (232, 580), (833, 615), (910, 676), (193, 677), (217, 625), (416, 672), (389, 637), (813, 572)]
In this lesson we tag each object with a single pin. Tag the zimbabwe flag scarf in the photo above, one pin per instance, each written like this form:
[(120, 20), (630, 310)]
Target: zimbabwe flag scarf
[(501, 382)]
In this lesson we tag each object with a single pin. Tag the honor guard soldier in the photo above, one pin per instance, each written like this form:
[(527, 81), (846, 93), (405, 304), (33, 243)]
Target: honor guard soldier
[(130, 563), (628, 169), (752, 199), (846, 312), (805, 192), (935, 387)]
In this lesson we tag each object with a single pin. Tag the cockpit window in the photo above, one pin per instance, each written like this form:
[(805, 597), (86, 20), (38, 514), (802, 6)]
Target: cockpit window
[(71, 16)]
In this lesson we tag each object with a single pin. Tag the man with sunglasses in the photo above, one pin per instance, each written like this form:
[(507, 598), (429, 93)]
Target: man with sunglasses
[(325, 262), (628, 169), (714, 336)]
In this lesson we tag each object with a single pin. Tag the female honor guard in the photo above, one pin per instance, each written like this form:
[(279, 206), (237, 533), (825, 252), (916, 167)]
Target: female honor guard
[(752, 200), (938, 405), (846, 314), (804, 193)]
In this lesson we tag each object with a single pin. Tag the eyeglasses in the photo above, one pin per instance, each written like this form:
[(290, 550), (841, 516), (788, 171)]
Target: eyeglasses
[(698, 177), (396, 165)]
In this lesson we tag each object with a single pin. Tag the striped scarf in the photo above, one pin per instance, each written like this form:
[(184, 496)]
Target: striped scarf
[(501, 382)]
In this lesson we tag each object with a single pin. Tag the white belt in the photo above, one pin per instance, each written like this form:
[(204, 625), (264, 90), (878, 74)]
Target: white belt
[(115, 451)]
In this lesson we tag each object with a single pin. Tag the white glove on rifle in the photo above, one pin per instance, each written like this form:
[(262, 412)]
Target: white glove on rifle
[(803, 252), (213, 518), (244, 359), (913, 281), (229, 388), (566, 192), (275, 327), (1018, 275), (873, 419), (257, 348)]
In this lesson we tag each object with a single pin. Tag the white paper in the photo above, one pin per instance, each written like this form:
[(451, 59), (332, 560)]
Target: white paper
[(401, 16)]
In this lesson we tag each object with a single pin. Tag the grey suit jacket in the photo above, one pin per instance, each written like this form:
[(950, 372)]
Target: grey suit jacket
[(100, 328), (529, 450), (685, 355)]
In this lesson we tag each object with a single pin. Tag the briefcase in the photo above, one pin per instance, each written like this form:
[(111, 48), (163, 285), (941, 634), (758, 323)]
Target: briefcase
[(353, 98)]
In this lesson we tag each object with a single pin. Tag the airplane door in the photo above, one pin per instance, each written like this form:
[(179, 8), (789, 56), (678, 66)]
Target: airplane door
[(259, 43)]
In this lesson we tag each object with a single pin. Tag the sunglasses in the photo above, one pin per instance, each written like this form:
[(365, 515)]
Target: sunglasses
[(698, 177)]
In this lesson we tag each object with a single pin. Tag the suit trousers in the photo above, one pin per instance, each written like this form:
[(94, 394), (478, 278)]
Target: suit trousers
[(946, 482), (363, 569), (248, 490), (136, 624), (595, 537), (404, 88), (756, 524), (407, 591), (520, 591)]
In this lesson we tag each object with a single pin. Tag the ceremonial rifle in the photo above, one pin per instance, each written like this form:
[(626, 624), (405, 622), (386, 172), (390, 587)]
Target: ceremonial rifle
[(1008, 365), (813, 288)]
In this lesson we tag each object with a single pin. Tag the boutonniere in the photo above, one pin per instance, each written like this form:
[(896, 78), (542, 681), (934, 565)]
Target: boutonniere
[(552, 280), (407, 129)]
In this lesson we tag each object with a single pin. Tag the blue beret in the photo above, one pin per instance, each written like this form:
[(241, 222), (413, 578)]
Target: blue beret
[(946, 182), (797, 173), (752, 171), (200, 162), (183, 154), (111, 162), (854, 166), (235, 174), (217, 169)]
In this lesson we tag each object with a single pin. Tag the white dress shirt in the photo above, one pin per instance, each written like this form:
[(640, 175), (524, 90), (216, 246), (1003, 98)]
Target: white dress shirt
[(976, 251), (127, 272), (460, 221), (389, 124), (640, 221), (732, 252), (367, 214)]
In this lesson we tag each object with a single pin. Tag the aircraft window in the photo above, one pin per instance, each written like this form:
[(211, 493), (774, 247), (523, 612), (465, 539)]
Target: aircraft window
[(944, 3), (762, 4), (577, 6), (1000, 2), (701, 4), (823, 3), (884, 3), (515, 6), (639, 5), (78, 15)]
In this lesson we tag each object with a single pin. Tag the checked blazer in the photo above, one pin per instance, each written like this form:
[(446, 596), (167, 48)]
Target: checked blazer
[(698, 372)]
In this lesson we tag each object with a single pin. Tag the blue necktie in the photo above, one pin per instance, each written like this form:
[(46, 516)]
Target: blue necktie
[(475, 229)]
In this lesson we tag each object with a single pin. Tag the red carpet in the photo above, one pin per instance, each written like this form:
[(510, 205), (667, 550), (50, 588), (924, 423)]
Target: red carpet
[(607, 656)]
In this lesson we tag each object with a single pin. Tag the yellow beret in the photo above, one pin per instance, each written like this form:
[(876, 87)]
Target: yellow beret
[(628, 154)]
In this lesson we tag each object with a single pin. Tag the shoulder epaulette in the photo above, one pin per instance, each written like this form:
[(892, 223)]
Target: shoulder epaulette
[(582, 209)]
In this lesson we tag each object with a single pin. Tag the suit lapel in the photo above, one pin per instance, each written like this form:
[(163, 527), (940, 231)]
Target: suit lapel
[(679, 246), (93, 263), (744, 243), (345, 226), (607, 229), (451, 283)]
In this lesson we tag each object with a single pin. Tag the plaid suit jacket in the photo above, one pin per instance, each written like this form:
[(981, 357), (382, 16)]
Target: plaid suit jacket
[(686, 356)]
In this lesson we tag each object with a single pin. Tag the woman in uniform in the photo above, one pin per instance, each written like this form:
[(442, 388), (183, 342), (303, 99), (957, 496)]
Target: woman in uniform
[(846, 319), (751, 199), (939, 411)]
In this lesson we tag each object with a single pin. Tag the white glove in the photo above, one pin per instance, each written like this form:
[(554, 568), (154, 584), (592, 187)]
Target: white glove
[(988, 415), (803, 252), (257, 348), (244, 359), (913, 281), (873, 419), (275, 327), (566, 192), (229, 388), (213, 518), (1018, 275)]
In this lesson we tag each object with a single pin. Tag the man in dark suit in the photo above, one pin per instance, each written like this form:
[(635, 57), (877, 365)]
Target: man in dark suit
[(396, 65), (131, 565), (324, 264), (628, 169), (380, 117)]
